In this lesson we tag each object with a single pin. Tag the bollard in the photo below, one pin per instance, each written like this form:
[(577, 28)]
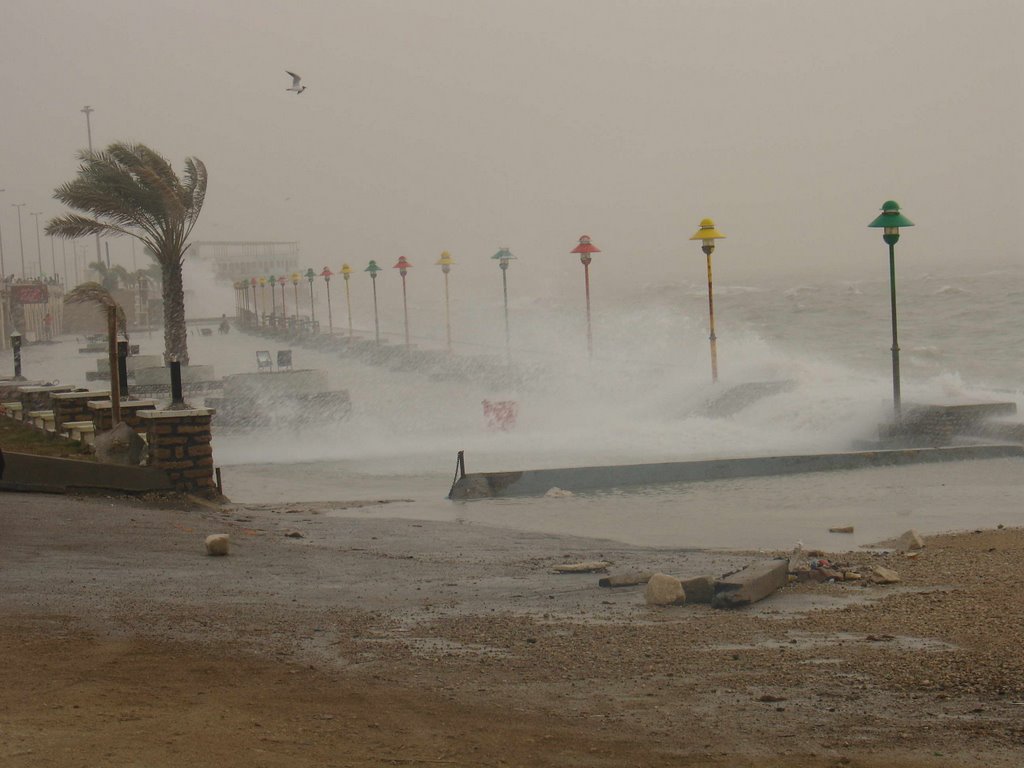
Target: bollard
[(16, 348), (220, 483), (177, 396)]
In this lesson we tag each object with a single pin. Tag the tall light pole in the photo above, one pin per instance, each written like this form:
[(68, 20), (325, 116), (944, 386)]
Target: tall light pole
[(3, 267), (445, 263), (39, 247), (87, 110), (585, 248), (890, 221), (373, 269), (504, 256), (403, 265), (707, 234), (21, 240), (346, 272), (311, 276)]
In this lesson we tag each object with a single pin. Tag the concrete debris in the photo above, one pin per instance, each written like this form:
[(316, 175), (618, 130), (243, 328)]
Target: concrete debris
[(628, 579), (882, 575), (843, 529), (699, 589), (120, 445), (558, 493), (663, 589), (753, 583), (217, 544), (294, 535), (594, 566)]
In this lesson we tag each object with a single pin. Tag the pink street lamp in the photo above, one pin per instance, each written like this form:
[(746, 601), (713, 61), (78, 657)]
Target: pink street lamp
[(584, 249), (403, 266)]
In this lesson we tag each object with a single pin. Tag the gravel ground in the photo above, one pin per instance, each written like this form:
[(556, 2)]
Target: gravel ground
[(405, 642)]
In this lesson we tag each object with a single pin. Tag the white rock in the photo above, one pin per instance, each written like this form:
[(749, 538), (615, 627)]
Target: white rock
[(217, 544), (909, 541), (663, 589), (881, 575), (558, 493)]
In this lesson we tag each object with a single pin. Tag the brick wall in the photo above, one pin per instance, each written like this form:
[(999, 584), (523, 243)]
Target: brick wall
[(180, 445)]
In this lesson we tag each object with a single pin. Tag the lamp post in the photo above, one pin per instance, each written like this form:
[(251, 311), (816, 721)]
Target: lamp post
[(445, 263), (273, 301), (296, 279), (283, 281), (3, 266), (263, 297), (889, 221), (311, 276), (504, 256), (87, 110), (346, 272), (253, 282), (403, 265), (373, 269), (21, 240), (707, 234), (39, 247), (326, 275), (585, 248)]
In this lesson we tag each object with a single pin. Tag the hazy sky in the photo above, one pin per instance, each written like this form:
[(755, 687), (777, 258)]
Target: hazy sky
[(472, 124)]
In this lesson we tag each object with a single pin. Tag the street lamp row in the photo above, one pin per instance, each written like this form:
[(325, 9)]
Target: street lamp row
[(890, 220)]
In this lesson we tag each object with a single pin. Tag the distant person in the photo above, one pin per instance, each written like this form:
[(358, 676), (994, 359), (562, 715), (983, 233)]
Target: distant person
[(225, 326)]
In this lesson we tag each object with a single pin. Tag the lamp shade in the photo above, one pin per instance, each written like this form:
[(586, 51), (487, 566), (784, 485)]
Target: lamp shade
[(890, 217), (446, 259), (585, 246), (326, 273), (310, 274), (707, 231), (296, 277), (372, 268), (503, 255), (346, 270), (402, 263)]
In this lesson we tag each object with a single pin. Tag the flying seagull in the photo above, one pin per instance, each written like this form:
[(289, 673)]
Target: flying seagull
[(296, 83)]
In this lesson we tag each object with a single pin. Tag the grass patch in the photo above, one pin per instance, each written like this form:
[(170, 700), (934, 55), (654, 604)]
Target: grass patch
[(18, 437)]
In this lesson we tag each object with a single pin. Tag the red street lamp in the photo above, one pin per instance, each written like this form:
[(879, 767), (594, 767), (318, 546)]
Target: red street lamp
[(403, 266), (584, 249), (326, 275)]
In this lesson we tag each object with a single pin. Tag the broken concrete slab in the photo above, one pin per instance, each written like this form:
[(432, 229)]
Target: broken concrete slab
[(594, 566), (755, 582), (699, 589), (629, 579)]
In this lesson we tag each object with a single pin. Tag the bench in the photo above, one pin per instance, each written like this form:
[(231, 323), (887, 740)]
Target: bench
[(42, 420), (12, 410), (83, 431)]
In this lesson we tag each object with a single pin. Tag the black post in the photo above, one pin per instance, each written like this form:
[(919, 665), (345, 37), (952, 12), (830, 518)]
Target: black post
[(122, 367), (16, 348), (177, 396)]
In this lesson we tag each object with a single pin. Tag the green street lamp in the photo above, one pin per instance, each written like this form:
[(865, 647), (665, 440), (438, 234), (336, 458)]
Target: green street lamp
[(296, 279), (585, 248), (283, 281), (326, 275), (403, 265), (890, 221), (373, 269), (504, 256), (346, 272), (445, 263), (311, 276), (707, 234)]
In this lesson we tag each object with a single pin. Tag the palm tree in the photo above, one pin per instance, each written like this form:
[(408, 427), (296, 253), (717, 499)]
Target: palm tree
[(129, 189), (110, 277)]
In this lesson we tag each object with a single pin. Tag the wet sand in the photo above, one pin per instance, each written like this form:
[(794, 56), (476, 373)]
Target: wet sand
[(367, 640)]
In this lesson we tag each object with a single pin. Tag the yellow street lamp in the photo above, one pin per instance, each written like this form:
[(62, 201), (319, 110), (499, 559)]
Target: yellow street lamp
[(346, 272), (445, 263), (707, 234)]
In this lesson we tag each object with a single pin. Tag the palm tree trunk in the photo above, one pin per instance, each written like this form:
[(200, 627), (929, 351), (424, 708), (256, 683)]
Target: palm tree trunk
[(175, 333)]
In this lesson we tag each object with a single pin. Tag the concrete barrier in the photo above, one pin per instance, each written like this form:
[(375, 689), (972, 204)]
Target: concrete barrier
[(536, 482)]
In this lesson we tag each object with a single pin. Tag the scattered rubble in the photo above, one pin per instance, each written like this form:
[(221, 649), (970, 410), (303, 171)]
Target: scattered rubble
[(217, 544), (594, 566), (663, 589)]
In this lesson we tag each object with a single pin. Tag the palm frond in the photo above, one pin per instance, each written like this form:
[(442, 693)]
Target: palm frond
[(94, 293)]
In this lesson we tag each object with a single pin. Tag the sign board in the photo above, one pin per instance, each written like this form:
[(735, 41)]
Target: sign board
[(29, 293)]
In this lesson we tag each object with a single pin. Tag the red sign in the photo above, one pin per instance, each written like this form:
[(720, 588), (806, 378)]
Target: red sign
[(29, 293)]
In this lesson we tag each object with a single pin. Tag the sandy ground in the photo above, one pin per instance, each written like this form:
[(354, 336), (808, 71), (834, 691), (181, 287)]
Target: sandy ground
[(363, 642)]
